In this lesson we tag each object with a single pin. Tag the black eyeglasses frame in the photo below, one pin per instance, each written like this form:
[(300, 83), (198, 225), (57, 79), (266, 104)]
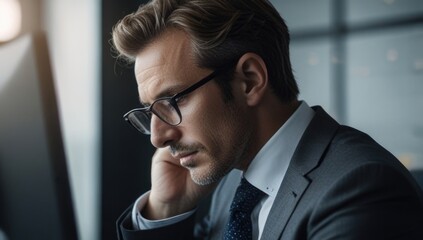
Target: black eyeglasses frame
[(173, 101)]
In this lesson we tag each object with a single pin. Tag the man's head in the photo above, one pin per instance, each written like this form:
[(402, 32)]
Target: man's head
[(175, 44), (221, 31)]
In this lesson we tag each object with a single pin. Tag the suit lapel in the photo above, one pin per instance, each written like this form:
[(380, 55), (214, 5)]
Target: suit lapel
[(307, 156), (291, 190)]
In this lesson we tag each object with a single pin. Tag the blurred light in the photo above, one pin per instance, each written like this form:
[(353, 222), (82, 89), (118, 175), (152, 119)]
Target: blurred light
[(361, 71), (392, 55), (10, 19), (418, 64), (334, 59), (389, 2), (313, 59), (406, 159)]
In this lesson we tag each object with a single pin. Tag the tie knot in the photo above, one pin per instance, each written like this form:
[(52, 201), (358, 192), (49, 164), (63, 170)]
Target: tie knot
[(246, 197)]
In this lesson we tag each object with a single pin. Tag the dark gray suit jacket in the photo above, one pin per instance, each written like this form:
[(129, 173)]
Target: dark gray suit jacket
[(340, 184)]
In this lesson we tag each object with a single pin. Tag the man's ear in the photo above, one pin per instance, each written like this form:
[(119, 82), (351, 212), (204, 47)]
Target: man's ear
[(253, 73)]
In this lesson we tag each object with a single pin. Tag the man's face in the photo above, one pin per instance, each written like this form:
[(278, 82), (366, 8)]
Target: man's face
[(213, 136)]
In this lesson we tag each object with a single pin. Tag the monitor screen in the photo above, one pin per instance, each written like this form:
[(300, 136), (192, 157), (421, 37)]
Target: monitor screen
[(35, 197)]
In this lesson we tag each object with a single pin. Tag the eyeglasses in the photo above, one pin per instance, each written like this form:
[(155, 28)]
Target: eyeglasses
[(165, 108)]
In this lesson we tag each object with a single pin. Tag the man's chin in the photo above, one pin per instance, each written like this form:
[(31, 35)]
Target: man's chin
[(204, 179), (201, 179)]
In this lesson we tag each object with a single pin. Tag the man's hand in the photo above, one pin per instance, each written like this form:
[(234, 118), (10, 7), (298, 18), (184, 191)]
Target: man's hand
[(173, 191)]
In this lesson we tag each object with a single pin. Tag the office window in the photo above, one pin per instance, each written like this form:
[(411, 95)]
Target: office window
[(362, 12), (305, 15), (312, 64), (362, 60), (384, 96)]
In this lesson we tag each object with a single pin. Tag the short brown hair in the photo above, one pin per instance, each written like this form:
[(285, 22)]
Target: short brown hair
[(221, 31)]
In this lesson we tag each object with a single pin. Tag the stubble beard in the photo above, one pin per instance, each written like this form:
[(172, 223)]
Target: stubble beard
[(219, 167)]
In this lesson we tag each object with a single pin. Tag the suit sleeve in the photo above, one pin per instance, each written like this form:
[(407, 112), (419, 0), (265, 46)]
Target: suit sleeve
[(181, 230), (371, 202)]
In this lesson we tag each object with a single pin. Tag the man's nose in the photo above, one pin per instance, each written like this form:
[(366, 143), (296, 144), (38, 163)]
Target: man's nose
[(163, 134)]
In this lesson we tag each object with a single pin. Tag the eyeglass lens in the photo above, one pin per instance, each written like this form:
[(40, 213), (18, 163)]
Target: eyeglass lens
[(166, 111), (140, 120), (162, 108)]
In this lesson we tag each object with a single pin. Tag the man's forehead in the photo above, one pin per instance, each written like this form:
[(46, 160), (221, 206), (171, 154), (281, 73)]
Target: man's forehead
[(161, 61), (172, 48)]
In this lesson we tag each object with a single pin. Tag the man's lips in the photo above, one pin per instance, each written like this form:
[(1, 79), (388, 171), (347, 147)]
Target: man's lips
[(179, 155), (185, 159)]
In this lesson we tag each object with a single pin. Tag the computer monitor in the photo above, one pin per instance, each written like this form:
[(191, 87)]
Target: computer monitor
[(35, 197)]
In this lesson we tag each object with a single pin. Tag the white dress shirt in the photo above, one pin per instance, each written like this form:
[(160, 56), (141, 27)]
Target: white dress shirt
[(265, 172)]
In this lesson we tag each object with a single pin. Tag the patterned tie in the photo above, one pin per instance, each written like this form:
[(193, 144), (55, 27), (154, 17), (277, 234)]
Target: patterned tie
[(246, 198)]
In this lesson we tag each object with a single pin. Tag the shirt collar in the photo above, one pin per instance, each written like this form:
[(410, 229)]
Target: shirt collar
[(269, 166)]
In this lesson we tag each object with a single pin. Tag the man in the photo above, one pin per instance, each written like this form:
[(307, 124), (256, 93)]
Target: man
[(221, 105)]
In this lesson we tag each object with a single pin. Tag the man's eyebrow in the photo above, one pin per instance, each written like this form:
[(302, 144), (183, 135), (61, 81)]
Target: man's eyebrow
[(168, 92), (143, 104)]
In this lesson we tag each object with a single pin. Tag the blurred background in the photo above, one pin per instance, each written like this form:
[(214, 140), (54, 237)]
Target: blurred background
[(362, 60)]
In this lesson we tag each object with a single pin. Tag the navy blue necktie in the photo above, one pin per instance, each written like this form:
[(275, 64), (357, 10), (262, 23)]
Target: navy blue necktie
[(246, 198)]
